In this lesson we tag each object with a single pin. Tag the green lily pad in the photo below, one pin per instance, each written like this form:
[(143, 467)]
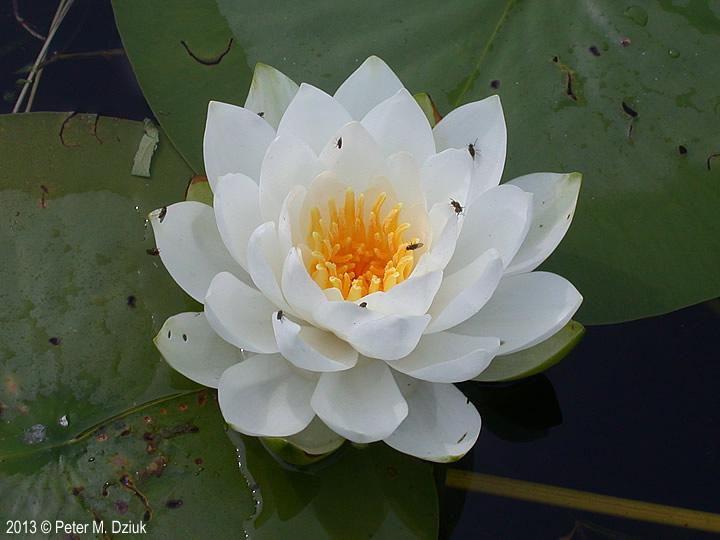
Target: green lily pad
[(167, 466), (95, 424), (535, 359), (82, 290), (645, 238)]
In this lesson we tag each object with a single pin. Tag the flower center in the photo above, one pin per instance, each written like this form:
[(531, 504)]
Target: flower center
[(359, 254)]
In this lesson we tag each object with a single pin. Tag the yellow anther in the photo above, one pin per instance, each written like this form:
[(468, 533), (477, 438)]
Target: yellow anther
[(355, 254)]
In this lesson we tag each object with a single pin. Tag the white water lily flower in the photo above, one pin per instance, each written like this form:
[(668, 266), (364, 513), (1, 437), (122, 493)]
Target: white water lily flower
[(357, 262)]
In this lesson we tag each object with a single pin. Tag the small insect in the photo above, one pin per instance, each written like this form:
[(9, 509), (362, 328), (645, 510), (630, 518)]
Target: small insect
[(339, 143), (279, 315), (153, 251), (471, 149), (363, 304), (261, 114), (162, 214), (131, 301), (55, 341), (457, 206), (414, 246)]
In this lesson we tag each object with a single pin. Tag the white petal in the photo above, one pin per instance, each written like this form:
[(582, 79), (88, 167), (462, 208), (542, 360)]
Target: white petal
[(446, 176), (299, 289), (289, 222), (445, 226), (447, 358), (190, 246), (310, 348), (481, 124), (235, 141), (370, 84), (266, 396), (316, 439), (270, 93), (554, 199), (404, 175), (362, 404), (398, 124), (191, 347), (265, 263), (372, 333), (237, 213), (354, 156), (498, 219), (240, 314), (411, 297), (313, 116), (465, 292), (289, 162), (442, 425), (525, 310)]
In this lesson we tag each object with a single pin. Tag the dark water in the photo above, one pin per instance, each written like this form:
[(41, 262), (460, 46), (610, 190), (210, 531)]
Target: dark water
[(633, 412)]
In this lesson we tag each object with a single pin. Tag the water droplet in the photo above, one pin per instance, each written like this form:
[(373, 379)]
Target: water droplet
[(637, 15), (674, 53), (63, 421), (35, 434)]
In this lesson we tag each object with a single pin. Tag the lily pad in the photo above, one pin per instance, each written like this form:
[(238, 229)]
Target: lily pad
[(95, 424), (82, 290), (584, 87)]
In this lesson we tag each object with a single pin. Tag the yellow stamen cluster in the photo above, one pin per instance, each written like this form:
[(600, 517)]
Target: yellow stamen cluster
[(355, 257)]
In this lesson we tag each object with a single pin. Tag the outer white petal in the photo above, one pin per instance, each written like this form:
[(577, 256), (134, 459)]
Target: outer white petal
[(362, 404), (525, 310), (190, 246), (465, 292), (270, 93), (554, 199), (235, 141), (266, 396), (404, 175), (411, 297), (240, 314), (446, 176), (442, 425), (398, 124), (447, 358), (310, 348), (265, 263), (498, 219), (370, 84), (313, 116), (354, 156), (481, 124), (302, 294), (237, 213), (371, 333), (445, 227), (289, 162), (191, 347)]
